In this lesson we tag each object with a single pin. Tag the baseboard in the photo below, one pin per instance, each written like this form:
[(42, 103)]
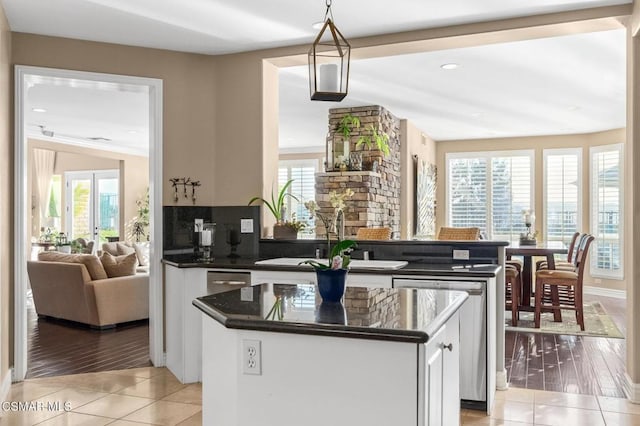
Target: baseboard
[(5, 387), (631, 390), (607, 292)]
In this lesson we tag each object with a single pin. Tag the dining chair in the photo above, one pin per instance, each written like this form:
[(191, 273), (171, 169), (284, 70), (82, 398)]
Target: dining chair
[(373, 234), (458, 234), (558, 289), (512, 292), (569, 263)]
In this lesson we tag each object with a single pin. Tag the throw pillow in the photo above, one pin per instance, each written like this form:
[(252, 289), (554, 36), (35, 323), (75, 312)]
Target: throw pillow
[(90, 261), (142, 251), (119, 266), (124, 248)]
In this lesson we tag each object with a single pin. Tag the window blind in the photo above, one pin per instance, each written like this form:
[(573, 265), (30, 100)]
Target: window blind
[(562, 194), (489, 190), (511, 194), (302, 187), (468, 193), (606, 211)]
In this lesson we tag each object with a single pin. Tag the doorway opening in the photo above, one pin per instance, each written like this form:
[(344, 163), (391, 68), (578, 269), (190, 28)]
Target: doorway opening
[(98, 202)]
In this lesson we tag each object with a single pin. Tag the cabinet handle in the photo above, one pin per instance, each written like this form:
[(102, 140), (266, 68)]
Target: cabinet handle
[(449, 346)]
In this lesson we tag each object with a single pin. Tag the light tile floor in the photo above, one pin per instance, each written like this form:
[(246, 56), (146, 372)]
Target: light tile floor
[(154, 396)]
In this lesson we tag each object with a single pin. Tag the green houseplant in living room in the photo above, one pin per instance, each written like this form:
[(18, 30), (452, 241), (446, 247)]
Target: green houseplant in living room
[(283, 229), (377, 138)]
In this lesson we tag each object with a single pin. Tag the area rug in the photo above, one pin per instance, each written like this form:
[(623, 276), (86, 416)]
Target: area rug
[(596, 323)]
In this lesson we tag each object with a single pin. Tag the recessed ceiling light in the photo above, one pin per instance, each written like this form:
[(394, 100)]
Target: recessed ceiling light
[(38, 110), (317, 25), (450, 66)]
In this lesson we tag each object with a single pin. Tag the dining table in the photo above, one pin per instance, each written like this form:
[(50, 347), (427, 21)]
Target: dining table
[(546, 249)]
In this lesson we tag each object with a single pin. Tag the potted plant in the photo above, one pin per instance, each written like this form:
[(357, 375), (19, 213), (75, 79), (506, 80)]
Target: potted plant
[(331, 276), (282, 229), (376, 138)]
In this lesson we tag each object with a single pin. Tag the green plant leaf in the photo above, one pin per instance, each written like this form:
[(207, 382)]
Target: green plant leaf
[(342, 246), (315, 264)]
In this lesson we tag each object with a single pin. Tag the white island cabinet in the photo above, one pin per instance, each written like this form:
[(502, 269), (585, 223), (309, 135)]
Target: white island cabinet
[(394, 362)]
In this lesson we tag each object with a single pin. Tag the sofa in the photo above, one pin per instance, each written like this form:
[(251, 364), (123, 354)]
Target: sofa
[(75, 287)]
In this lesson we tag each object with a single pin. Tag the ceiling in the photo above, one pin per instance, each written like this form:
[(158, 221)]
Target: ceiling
[(570, 84)]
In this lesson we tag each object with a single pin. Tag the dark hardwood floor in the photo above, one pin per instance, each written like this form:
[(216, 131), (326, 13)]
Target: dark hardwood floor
[(59, 347), (573, 364)]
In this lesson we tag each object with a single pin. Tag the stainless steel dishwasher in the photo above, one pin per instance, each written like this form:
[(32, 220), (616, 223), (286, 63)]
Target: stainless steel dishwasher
[(473, 335)]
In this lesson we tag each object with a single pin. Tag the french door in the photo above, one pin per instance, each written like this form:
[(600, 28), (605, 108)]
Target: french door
[(92, 204)]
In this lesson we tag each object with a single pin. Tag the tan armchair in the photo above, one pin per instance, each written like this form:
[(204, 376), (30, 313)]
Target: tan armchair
[(458, 234)]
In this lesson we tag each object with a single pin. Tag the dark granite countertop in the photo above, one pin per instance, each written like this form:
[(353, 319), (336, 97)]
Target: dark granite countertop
[(412, 268), (402, 315)]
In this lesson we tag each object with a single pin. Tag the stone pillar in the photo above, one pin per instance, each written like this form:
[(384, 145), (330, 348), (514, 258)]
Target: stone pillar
[(376, 199)]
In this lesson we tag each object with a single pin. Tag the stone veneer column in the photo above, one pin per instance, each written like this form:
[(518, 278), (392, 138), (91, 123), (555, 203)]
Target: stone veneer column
[(376, 202)]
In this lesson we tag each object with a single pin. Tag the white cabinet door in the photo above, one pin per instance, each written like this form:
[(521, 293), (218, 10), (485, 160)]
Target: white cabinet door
[(451, 372), (442, 376), (434, 379)]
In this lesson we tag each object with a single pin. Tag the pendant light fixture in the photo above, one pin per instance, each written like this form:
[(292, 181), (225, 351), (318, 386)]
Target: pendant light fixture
[(329, 62)]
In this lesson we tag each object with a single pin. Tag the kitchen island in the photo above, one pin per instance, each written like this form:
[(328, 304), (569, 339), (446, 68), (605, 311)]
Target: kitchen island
[(385, 356)]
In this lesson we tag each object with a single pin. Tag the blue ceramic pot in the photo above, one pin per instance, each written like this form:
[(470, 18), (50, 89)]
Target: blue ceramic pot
[(331, 284)]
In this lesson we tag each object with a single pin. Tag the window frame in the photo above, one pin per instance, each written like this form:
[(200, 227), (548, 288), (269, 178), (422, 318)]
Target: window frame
[(488, 155), (593, 269), (578, 152)]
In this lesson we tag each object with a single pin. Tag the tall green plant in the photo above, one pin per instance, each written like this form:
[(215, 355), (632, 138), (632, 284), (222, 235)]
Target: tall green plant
[(347, 124), (276, 205), (380, 139)]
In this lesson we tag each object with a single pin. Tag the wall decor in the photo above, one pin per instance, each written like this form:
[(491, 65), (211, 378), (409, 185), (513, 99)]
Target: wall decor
[(184, 182), (425, 206)]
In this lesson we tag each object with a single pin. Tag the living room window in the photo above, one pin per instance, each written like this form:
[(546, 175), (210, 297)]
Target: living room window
[(562, 193), (490, 190), (303, 188), (607, 194)]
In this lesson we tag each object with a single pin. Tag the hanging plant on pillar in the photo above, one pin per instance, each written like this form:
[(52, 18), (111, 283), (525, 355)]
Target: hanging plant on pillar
[(374, 139)]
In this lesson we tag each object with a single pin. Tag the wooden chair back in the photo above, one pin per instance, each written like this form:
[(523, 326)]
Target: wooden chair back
[(572, 247), (458, 234), (581, 256), (373, 234)]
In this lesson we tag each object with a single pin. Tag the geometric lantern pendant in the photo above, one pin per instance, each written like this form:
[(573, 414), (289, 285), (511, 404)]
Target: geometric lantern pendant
[(329, 65)]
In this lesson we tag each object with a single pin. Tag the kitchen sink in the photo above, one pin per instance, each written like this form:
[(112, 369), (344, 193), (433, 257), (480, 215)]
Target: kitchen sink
[(355, 263)]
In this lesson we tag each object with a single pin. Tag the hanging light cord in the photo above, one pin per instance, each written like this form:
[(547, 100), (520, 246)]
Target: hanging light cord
[(328, 12)]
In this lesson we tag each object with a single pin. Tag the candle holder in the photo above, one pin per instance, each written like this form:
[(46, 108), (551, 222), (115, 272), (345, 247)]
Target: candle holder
[(233, 239), (530, 237), (206, 239)]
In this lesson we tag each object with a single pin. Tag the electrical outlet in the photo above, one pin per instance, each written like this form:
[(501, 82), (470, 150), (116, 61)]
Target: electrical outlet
[(246, 226), (461, 255), (251, 357)]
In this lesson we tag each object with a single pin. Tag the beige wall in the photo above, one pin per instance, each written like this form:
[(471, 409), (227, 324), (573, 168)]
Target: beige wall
[(538, 144), (413, 142), (134, 175), (6, 196)]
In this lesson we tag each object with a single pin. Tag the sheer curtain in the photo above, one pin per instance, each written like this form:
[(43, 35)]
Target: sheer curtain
[(43, 164)]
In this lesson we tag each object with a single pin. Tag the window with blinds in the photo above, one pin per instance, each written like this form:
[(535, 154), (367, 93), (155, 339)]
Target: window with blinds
[(490, 190), (303, 188), (562, 193), (607, 194)]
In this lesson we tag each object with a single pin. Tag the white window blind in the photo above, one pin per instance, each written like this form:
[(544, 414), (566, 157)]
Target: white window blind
[(468, 192), (562, 193), (607, 194), (511, 194), (302, 187), (490, 190)]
